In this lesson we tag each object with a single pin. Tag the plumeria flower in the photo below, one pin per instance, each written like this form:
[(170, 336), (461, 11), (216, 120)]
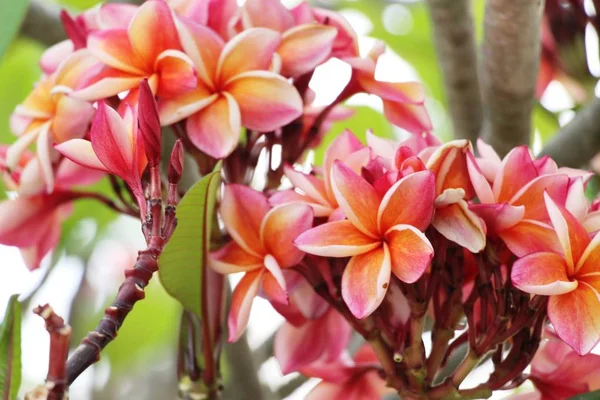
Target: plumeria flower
[(512, 207), (453, 218), (147, 48), (422, 144), (115, 146), (50, 114), (234, 89), (403, 102), (262, 247), (382, 235), (318, 193), (303, 46), (356, 378), (571, 279)]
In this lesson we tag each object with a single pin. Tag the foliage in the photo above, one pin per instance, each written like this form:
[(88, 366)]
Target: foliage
[(10, 350)]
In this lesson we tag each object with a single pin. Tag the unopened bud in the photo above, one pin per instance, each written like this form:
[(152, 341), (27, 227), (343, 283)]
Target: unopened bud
[(74, 30), (176, 162), (149, 123)]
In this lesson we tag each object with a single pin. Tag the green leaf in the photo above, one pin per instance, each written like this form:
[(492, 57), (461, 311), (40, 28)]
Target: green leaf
[(10, 351), (184, 257), (546, 122), (595, 395), (13, 12)]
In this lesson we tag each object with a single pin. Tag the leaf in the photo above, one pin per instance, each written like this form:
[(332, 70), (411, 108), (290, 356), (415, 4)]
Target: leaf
[(184, 257), (595, 395), (546, 122), (13, 12), (10, 350)]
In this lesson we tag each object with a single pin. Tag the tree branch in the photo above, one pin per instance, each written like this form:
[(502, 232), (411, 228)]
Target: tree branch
[(452, 22), (510, 55), (578, 141), (42, 23)]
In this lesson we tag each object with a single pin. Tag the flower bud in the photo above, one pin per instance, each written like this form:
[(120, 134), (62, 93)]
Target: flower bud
[(149, 123), (176, 162)]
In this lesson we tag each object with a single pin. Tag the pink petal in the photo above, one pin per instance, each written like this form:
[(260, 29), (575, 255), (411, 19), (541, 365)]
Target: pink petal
[(482, 188), (498, 217), (215, 129), (267, 14), (529, 236), (46, 156), (365, 281), (81, 152), (233, 258), (575, 318), (290, 197), (243, 210), (413, 118), (336, 239), (341, 147), (72, 118), (304, 47), (384, 148), (175, 109), (576, 202), (266, 100), (360, 210), (531, 195), (176, 74), (401, 206), (397, 92), (461, 225), (31, 179), (280, 227), (410, 252), (274, 285), (449, 164), (113, 48), (241, 303), (309, 184), (107, 83), (516, 171), (542, 273), (250, 50), (54, 55)]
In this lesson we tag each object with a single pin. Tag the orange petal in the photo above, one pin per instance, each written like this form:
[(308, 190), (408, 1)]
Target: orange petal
[(215, 129), (401, 206), (529, 236), (81, 152), (532, 194), (241, 303), (152, 31), (266, 100), (341, 147), (233, 258), (576, 319), (336, 239), (290, 197), (304, 47), (280, 227), (176, 74), (180, 107), (449, 164), (250, 50), (410, 252), (589, 263), (309, 184), (267, 14), (365, 281), (243, 210), (113, 48), (400, 92), (482, 188), (107, 83), (72, 118), (571, 234), (461, 225), (273, 288), (542, 273), (360, 210), (412, 117), (517, 170)]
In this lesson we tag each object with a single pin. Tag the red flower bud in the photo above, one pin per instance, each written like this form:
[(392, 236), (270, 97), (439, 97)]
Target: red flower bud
[(149, 123), (176, 162)]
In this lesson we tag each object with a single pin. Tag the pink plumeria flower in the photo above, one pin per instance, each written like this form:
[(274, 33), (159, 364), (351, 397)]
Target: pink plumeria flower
[(422, 144), (453, 218), (403, 102), (234, 89), (571, 279), (147, 48), (115, 146), (382, 235), (262, 247), (303, 47), (316, 192), (512, 206)]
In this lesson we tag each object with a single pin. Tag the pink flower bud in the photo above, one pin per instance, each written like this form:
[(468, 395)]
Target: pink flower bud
[(74, 30), (176, 162), (149, 123)]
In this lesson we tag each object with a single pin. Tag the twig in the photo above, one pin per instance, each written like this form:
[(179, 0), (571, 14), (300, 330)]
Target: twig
[(578, 141), (510, 56), (452, 22), (42, 23)]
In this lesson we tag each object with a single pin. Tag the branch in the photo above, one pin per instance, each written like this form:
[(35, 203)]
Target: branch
[(42, 23), (578, 141), (452, 22), (510, 54)]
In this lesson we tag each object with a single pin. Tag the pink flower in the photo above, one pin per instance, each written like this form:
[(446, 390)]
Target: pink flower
[(234, 89), (262, 247), (382, 235)]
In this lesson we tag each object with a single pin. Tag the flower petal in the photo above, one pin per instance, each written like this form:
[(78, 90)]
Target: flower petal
[(530, 236), (516, 171), (113, 48), (482, 188), (266, 100), (576, 319), (250, 50), (241, 303), (309, 184), (215, 129), (180, 107), (274, 285), (498, 217), (360, 210), (304, 47), (412, 117), (449, 164), (401, 206), (243, 210), (410, 252), (460, 225), (267, 14), (105, 83), (290, 196), (399, 92), (341, 147), (72, 118), (176, 74), (542, 273), (233, 258), (336, 239), (280, 227), (531, 195), (365, 281), (81, 152)]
